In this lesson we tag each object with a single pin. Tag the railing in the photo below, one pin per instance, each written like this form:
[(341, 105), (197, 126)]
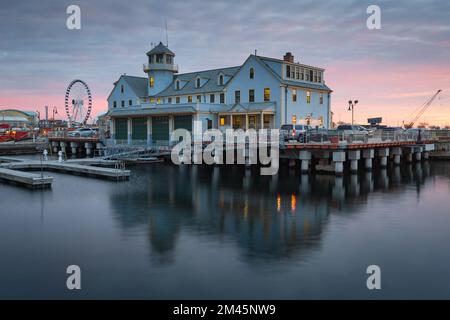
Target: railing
[(334, 136), (159, 66)]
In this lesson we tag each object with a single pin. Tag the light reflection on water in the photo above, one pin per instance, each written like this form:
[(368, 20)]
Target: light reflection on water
[(210, 232)]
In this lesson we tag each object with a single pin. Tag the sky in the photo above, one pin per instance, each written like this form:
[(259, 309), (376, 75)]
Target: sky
[(391, 72)]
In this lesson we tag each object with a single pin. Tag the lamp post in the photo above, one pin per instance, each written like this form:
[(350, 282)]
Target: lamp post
[(55, 111), (351, 107)]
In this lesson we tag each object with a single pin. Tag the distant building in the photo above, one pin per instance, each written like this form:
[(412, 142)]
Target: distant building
[(18, 118), (261, 93)]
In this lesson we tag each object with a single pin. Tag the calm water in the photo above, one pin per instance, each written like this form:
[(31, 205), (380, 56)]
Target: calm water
[(173, 232)]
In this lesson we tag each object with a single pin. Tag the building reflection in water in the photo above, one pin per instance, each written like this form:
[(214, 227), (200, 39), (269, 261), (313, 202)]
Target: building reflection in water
[(266, 217)]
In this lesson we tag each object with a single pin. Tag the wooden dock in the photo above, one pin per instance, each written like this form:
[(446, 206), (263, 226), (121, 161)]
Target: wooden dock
[(27, 179)]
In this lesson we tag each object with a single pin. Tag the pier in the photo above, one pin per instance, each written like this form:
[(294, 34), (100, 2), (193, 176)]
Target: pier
[(27, 179), (17, 170)]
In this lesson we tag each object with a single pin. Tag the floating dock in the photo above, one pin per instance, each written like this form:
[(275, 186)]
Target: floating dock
[(15, 170), (27, 179)]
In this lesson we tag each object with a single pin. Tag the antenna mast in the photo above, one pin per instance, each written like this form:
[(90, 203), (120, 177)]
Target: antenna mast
[(167, 36)]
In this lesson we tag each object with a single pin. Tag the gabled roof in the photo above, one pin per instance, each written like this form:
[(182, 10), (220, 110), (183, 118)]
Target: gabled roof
[(137, 84), (211, 85), (160, 48)]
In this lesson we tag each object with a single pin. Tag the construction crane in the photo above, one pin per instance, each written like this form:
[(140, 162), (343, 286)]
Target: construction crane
[(421, 111)]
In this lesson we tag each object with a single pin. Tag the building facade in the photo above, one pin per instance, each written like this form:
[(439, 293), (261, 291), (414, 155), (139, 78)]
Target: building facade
[(261, 93)]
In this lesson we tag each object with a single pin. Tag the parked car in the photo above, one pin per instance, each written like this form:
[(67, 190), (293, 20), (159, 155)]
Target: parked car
[(82, 132), (353, 132), (294, 132)]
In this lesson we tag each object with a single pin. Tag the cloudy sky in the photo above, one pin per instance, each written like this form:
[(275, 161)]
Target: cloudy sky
[(391, 71)]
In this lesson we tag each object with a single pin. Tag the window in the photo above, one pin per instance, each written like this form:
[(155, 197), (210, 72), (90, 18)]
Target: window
[(315, 76), (159, 58), (197, 82), (152, 100), (251, 95), (158, 100), (199, 98), (189, 99), (306, 74), (115, 104), (222, 98), (320, 77), (169, 100), (152, 82), (294, 95), (222, 121), (252, 73), (266, 94), (221, 80), (168, 59), (297, 73), (130, 102), (177, 85), (288, 71), (121, 89), (302, 74), (177, 100), (308, 96), (122, 104), (212, 98), (237, 96), (311, 75), (321, 98)]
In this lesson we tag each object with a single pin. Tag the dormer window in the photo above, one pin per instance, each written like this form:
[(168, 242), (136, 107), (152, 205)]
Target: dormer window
[(197, 83), (121, 88), (221, 80), (252, 73)]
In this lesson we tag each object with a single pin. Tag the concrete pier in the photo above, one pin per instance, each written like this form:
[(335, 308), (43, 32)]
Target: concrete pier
[(354, 156), (383, 154), (368, 155), (339, 159), (397, 153), (305, 158)]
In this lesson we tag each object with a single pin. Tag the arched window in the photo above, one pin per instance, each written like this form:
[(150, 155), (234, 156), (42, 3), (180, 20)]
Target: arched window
[(197, 83), (252, 73), (221, 80)]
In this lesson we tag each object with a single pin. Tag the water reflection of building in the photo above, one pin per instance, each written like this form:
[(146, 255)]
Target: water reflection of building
[(231, 204)]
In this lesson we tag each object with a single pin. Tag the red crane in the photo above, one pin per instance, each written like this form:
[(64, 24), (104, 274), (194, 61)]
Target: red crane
[(421, 111)]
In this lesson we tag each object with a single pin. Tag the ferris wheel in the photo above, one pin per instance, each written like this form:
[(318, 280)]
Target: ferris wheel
[(78, 102)]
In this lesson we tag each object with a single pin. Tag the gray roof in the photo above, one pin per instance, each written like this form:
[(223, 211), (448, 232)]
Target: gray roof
[(160, 48), (152, 110), (138, 85), (211, 84)]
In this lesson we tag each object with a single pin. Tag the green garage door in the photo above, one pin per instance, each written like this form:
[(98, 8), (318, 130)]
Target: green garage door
[(139, 129), (160, 129), (182, 122), (121, 129)]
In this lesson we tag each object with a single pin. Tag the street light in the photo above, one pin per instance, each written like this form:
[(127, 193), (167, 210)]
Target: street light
[(351, 107)]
